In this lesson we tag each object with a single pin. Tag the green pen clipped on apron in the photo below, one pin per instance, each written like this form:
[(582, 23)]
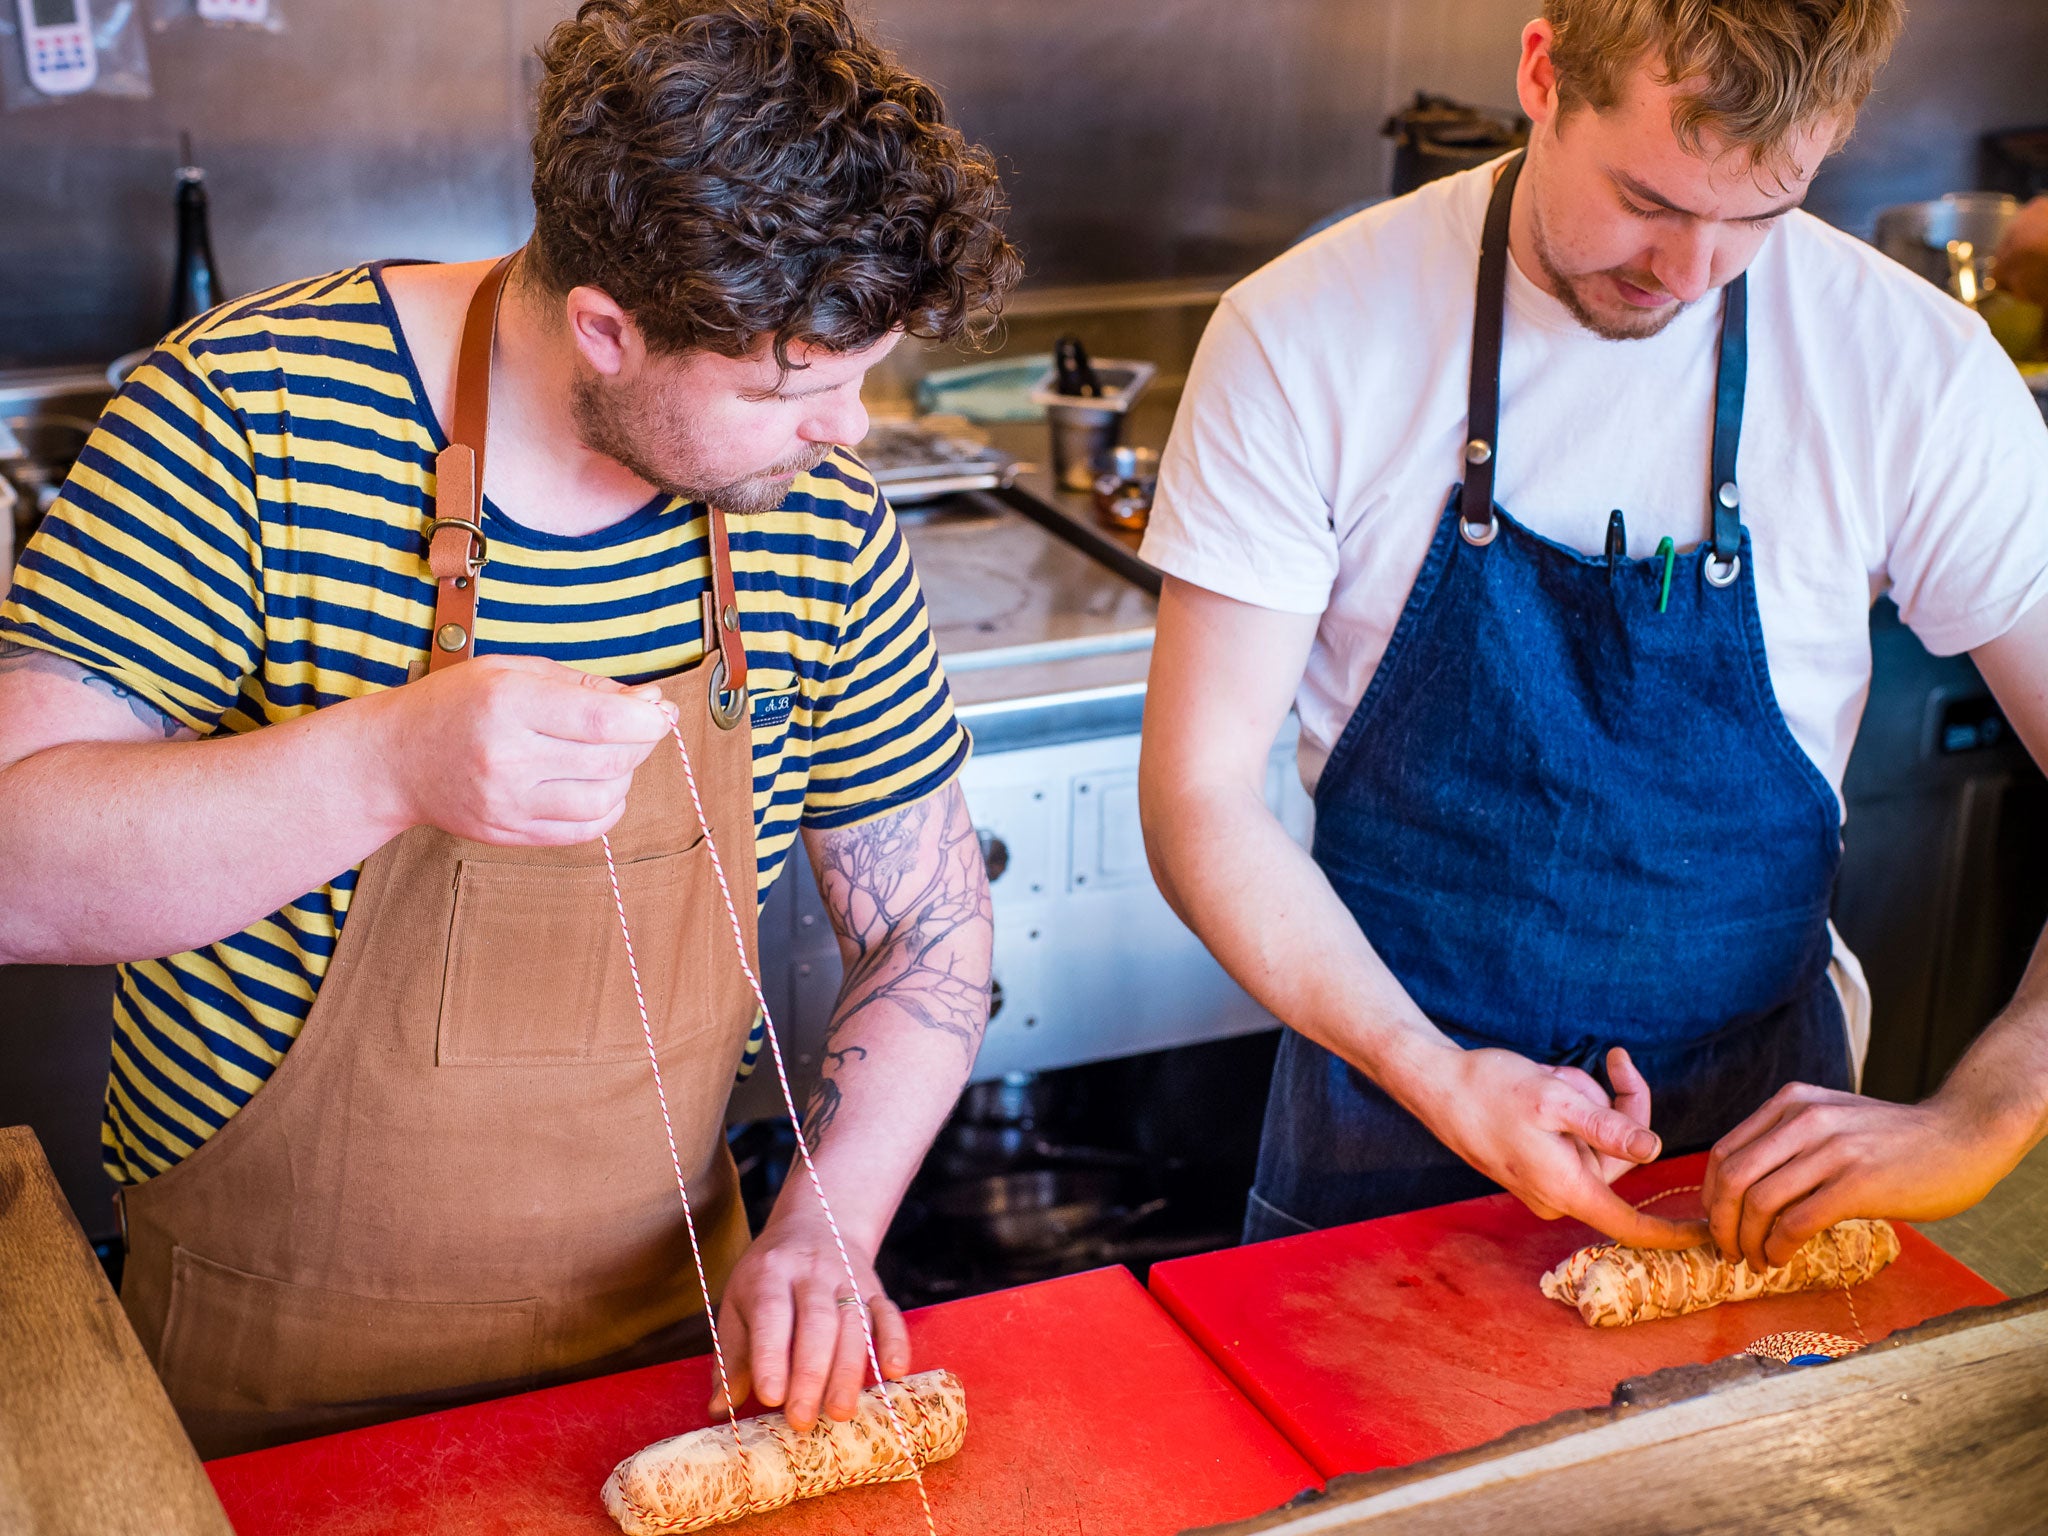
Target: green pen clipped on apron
[(1617, 550)]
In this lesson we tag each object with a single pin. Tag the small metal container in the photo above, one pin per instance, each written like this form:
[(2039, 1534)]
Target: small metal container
[(1085, 427)]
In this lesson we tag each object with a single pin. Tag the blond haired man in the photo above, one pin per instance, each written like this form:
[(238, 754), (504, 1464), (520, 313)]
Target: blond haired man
[(1576, 768)]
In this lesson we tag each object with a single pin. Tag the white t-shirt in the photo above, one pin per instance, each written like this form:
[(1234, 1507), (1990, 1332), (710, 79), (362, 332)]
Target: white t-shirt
[(1887, 446)]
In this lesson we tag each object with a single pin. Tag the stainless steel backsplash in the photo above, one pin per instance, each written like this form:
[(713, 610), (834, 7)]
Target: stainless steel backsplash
[(1140, 139)]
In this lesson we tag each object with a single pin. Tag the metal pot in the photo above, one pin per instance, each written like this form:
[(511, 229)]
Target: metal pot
[(1435, 136), (1948, 240), (1039, 1211), (119, 369)]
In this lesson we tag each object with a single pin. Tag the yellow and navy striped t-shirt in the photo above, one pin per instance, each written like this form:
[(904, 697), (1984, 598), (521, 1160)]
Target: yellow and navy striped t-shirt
[(242, 542)]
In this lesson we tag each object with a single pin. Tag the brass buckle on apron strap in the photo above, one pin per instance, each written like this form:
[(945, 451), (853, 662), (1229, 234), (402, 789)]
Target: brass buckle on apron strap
[(477, 556), (728, 705), (721, 609), (728, 708)]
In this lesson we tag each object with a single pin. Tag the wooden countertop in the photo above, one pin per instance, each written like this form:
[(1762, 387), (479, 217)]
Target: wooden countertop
[(89, 1444)]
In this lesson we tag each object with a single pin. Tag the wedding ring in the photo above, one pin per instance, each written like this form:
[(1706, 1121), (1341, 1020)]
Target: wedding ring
[(846, 1301)]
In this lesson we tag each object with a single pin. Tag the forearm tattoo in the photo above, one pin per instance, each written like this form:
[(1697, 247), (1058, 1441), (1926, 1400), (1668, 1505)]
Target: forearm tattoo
[(908, 896), (16, 657), (827, 1096)]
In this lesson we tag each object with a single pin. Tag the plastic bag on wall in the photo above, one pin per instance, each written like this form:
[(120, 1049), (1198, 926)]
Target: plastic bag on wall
[(261, 15), (117, 64)]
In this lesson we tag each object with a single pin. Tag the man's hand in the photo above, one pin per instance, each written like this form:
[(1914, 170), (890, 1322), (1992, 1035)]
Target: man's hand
[(1550, 1136), (1814, 1156), (517, 750), (784, 1333)]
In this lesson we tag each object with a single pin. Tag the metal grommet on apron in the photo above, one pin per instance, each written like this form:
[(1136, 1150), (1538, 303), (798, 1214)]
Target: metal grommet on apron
[(1474, 531), (1568, 814), (457, 1183)]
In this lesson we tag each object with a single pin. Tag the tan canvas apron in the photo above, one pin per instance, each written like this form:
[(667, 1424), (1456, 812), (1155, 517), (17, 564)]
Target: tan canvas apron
[(456, 1183)]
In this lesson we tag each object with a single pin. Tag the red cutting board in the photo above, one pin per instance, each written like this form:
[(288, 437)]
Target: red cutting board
[(1382, 1343), (1087, 1411)]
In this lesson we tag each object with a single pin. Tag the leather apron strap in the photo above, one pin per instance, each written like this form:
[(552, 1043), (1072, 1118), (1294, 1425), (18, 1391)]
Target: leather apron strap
[(456, 547), (722, 629)]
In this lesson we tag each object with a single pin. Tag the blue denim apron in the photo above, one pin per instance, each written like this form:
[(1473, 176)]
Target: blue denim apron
[(1568, 814)]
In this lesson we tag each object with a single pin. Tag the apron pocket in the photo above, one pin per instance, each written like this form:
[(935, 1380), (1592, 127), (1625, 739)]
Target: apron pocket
[(536, 969), (235, 1342)]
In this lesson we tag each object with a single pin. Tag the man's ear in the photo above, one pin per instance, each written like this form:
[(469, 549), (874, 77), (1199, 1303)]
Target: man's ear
[(1536, 75), (604, 334)]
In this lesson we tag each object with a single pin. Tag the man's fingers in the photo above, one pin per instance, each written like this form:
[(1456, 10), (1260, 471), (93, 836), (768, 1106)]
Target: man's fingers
[(892, 1336), (554, 834), (612, 685), (849, 1364), (1606, 1131), (1581, 1081), (572, 677), (586, 708), (1734, 1164), (1766, 1200), (1603, 1210), (1761, 1123), (1631, 1098), (1639, 1229), (1579, 1191), (773, 1317), (1631, 1088), (733, 1322), (617, 717), (1786, 1102), (1733, 1173), (579, 762), (577, 800), (538, 666), (1833, 1201), (810, 1355)]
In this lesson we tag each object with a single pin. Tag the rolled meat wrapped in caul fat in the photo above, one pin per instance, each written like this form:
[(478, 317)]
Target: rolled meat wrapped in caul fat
[(1613, 1286), (711, 1475)]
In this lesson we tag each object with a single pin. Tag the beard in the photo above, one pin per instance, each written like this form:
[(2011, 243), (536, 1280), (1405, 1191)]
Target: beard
[(636, 432), (1574, 292)]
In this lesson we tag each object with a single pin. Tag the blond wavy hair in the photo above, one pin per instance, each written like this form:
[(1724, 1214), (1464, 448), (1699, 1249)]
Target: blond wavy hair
[(1750, 73)]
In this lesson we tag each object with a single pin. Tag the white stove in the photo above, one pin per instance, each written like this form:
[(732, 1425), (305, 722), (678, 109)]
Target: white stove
[(1046, 649)]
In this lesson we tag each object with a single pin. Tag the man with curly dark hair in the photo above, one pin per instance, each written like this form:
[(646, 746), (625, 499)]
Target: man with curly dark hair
[(356, 748)]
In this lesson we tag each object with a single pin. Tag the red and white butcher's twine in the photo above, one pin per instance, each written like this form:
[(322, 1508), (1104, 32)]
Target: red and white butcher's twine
[(796, 1124), (1862, 1338)]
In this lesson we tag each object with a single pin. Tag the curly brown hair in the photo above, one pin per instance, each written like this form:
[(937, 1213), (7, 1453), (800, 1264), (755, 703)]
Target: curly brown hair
[(1751, 73), (734, 170)]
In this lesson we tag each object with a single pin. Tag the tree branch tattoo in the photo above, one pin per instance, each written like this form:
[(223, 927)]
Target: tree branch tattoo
[(908, 897), (826, 1097), (16, 657)]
